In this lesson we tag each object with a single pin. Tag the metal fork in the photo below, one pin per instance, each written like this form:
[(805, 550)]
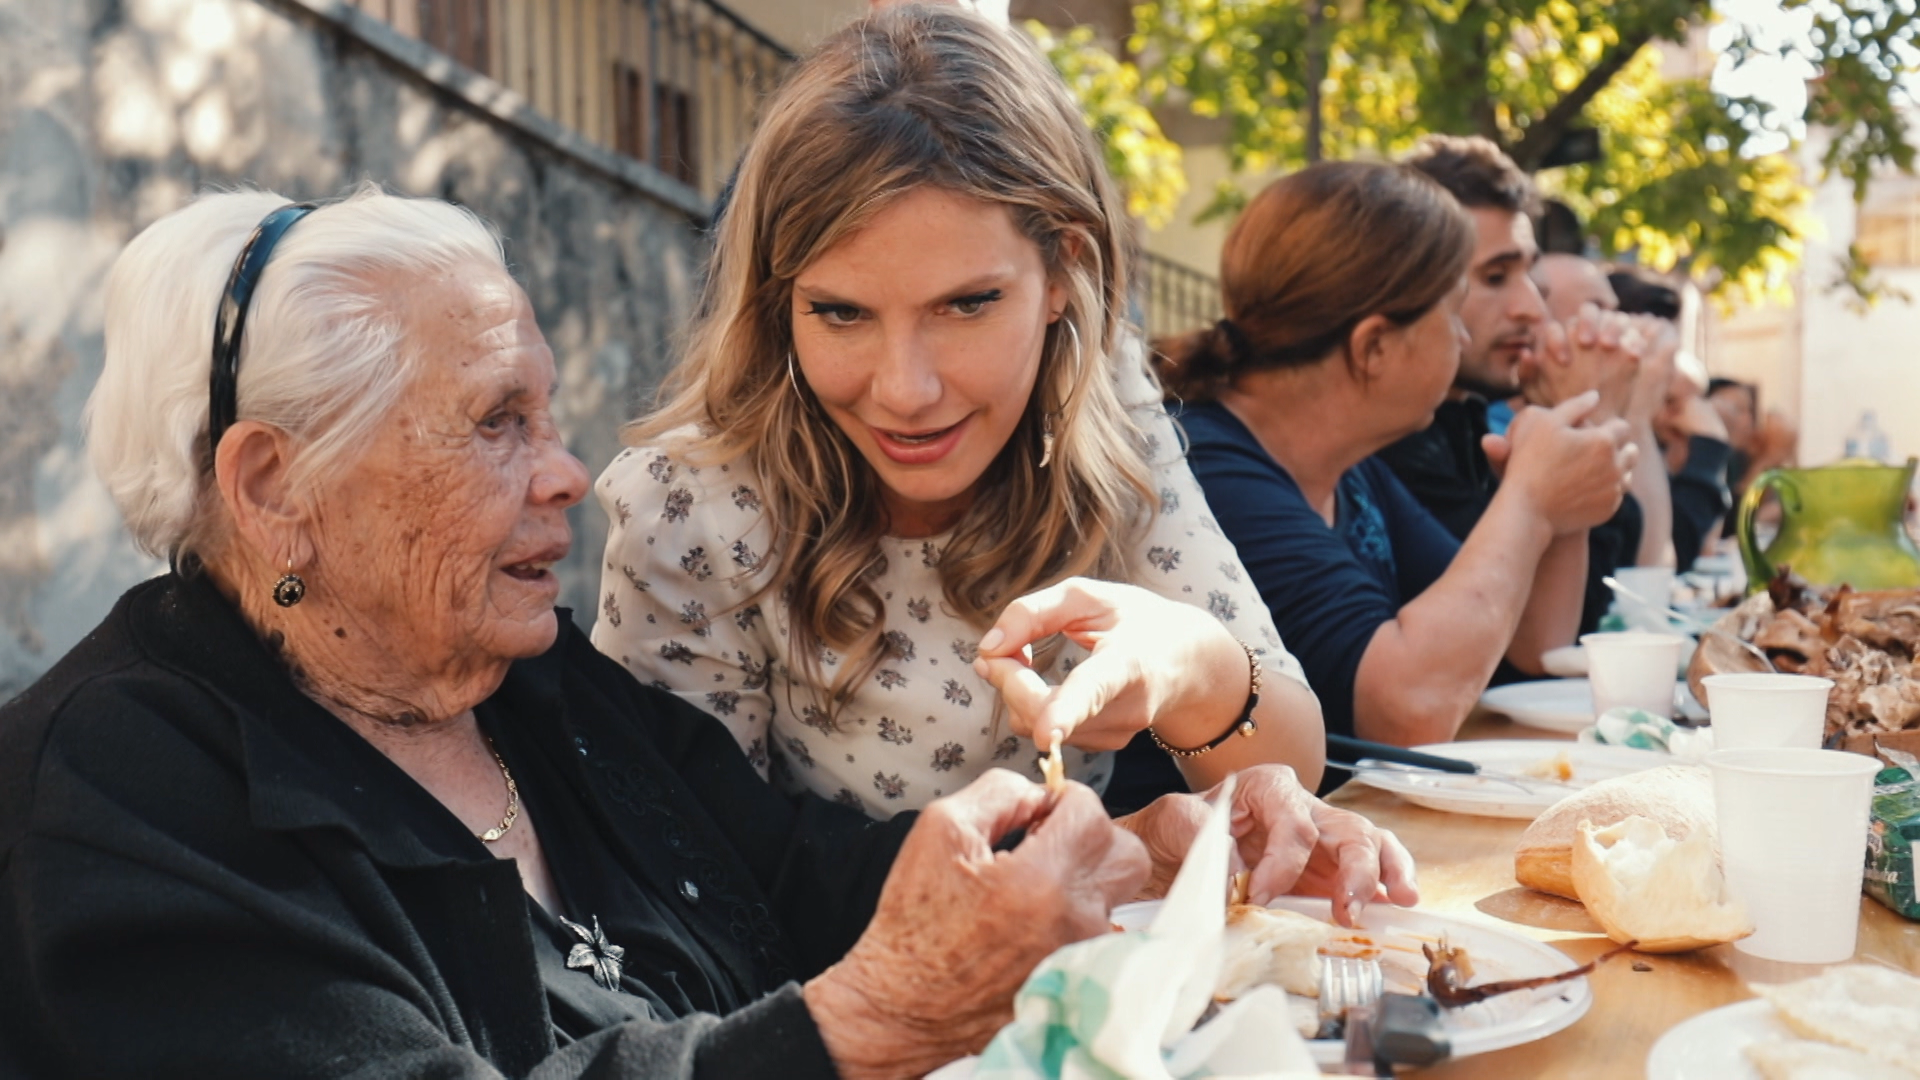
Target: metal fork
[(1691, 623), (1346, 982), (1349, 988)]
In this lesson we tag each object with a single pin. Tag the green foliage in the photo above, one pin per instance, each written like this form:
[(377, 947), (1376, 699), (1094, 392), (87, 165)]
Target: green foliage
[(1854, 276), (1672, 185), (1862, 48), (1143, 160)]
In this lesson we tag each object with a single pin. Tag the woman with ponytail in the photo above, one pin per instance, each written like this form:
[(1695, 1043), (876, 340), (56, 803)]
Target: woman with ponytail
[(1342, 286)]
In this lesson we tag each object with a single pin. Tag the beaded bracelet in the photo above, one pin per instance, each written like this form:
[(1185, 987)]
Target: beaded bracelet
[(1244, 725)]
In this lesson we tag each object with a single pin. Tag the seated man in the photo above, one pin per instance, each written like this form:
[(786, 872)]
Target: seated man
[(1508, 326), (1692, 436), (1574, 288)]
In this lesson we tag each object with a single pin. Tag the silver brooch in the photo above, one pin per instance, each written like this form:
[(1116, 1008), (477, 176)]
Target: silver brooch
[(595, 953)]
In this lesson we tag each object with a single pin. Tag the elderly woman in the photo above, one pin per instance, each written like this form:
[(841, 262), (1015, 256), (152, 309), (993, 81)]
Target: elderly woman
[(910, 508), (344, 795)]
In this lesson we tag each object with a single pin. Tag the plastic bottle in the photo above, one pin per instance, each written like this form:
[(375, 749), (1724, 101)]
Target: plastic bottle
[(1866, 440)]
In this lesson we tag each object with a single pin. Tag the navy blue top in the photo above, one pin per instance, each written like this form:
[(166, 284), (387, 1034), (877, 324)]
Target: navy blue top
[(1329, 589)]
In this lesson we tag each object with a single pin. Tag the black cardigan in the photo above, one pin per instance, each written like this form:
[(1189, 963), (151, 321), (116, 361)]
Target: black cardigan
[(204, 874)]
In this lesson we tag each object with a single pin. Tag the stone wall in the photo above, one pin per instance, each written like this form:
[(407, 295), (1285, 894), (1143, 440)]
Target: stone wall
[(114, 112)]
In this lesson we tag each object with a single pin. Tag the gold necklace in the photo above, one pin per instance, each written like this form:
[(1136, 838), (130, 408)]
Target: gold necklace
[(513, 799)]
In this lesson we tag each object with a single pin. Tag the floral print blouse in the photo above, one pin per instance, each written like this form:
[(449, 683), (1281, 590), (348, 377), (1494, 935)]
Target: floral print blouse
[(688, 547)]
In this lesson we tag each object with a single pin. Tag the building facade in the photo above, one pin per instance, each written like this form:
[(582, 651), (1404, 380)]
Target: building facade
[(1826, 358)]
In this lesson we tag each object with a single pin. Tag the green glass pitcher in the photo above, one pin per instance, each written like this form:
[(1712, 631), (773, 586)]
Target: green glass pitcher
[(1841, 524)]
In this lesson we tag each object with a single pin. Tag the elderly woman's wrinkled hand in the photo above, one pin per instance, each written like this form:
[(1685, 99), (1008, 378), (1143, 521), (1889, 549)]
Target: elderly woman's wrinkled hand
[(1292, 842), (960, 926)]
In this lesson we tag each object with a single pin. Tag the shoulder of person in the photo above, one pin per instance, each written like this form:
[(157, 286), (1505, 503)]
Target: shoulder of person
[(1208, 423), (606, 698), (673, 481), (109, 715), (681, 457)]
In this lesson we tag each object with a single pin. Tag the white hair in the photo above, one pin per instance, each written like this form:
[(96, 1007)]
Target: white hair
[(322, 356)]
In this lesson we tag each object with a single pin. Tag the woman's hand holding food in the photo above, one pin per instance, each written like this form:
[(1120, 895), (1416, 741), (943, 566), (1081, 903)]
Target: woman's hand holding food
[(1154, 661), (960, 926), (1291, 841)]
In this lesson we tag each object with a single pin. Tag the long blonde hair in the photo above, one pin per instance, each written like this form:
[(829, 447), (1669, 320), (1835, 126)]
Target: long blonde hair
[(908, 97)]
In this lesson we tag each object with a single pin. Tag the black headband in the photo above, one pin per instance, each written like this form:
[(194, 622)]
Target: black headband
[(223, 406)]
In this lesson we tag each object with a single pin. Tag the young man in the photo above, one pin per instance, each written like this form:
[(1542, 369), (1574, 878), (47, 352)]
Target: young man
[(1446, 466), (1516, 348)]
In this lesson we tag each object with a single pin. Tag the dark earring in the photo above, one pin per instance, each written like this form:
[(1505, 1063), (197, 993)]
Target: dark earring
[(290, 589)]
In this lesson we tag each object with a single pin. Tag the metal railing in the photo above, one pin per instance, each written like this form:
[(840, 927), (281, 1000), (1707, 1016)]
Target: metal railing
[(1175, 298), (670, 83)]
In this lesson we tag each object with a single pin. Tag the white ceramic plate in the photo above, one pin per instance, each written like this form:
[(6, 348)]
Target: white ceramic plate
[(1494, 1024), (1563, 705), (1710, 1046), (1570, 661), (1463, 793)]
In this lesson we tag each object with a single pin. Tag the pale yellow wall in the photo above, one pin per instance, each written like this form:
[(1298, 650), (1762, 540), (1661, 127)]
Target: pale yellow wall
[(797, 24), (1193, 245), (1821, 360), (1758, 345)]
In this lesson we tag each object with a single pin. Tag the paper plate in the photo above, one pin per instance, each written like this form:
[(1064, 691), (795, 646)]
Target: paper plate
[(1494, 1024), (1564, 705), (1463, 793), (1710, 1046)]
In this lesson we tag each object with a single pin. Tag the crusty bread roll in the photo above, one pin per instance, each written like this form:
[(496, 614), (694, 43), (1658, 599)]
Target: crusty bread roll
[(1678, 798), (1270, 945), (1662, 894)]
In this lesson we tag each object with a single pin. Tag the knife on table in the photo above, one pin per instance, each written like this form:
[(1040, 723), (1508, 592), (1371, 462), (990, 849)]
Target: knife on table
[(1362, 755)]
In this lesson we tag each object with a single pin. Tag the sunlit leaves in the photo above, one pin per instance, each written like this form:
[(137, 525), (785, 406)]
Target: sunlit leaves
[(1674, 185), (1143, 160)]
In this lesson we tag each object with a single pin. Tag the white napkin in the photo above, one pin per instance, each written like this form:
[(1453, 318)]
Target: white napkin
[(1122, 1006)]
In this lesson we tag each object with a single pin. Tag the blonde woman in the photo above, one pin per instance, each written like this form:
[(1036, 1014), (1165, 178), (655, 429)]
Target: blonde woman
[(895, 522)]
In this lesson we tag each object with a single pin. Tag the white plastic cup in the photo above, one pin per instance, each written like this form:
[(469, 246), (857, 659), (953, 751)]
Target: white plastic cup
[(1761, 709), (1632, 669), (1793, 842), (1653, 589)]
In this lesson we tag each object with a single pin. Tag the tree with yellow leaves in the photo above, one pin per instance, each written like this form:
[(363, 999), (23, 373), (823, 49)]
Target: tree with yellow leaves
[(1672, 181)]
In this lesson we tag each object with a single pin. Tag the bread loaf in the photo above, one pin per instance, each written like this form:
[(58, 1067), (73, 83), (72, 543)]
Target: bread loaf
[(1661, 894), (1678, 798)]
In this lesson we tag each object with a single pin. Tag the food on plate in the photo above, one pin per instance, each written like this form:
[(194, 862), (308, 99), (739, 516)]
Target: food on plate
[(1053, 767), (1798, 1059), (1449, 970), (1678, 798), (1642, 885), (1270, 945), (1557, 767), (1864, 1007), (1238, 888), (1866, 642)]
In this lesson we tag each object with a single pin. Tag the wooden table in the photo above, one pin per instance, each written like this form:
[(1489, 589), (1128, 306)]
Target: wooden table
[(1466, 872)]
